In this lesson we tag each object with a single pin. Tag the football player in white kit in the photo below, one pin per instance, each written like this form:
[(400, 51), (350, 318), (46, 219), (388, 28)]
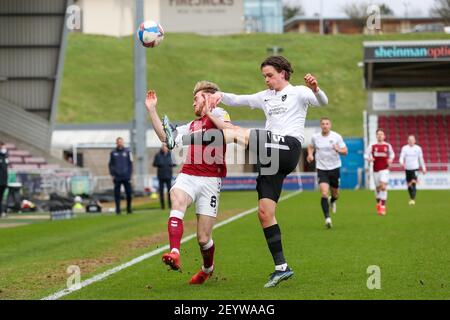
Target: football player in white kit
[(278, 147), (411, 158), (328, 146)]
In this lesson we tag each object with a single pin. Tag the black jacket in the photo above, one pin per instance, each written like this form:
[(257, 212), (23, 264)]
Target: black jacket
[(164, 164), (3, 169), (121, 164)]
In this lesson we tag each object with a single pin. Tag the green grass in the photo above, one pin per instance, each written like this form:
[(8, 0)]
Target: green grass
[(97, 85), (34, 258), (409, 244)]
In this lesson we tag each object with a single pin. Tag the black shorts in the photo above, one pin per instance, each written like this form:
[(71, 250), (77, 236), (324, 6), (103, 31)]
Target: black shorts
[(276, 156), (411, 175), (329, 176)]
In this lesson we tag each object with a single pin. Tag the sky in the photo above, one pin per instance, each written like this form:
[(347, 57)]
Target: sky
[(333, 8)]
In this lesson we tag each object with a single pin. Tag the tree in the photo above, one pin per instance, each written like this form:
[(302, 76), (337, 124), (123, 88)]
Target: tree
[(385, 10), (290, 11), (357, 12), (441, 9)]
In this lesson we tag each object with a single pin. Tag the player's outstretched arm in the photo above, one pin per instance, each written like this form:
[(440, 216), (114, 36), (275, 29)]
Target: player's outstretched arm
[(207, 109), (319, 98), (151, 101), (234, 100), (231, 132)]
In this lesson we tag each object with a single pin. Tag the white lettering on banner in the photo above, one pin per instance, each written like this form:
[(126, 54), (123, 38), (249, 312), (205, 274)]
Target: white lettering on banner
[(428, 181), (201, 2), (202, 16)]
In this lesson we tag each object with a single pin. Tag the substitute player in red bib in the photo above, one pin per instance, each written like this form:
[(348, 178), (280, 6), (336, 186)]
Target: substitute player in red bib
[(199, 181), (381, 155)]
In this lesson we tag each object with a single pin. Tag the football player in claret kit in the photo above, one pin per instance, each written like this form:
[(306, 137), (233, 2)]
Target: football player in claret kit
[(381, 155), (411, 158), (328, 146), (199, 181)]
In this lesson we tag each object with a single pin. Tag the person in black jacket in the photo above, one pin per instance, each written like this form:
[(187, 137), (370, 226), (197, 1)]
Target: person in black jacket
[(163, 161), (121, 169), (3, 173)]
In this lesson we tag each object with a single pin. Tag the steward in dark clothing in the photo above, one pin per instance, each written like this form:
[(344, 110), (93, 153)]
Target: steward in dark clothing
[(121, 169), (163, 161), (3, 173)]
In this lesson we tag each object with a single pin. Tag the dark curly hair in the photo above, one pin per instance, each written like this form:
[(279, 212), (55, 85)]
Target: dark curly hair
[(279, 63)]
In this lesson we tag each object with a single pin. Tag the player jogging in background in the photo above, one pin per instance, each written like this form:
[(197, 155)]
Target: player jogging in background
[(411, 158), (328, 146), (199, 181), (277, 148), (381, 155)]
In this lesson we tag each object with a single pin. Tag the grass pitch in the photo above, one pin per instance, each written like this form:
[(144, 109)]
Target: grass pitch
[(409, 245)]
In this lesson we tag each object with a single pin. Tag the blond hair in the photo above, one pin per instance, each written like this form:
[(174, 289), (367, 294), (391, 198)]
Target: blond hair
[(209, 87)]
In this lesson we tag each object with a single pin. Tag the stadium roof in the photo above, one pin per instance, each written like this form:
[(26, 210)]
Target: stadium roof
[(404, 64), (32, 43)]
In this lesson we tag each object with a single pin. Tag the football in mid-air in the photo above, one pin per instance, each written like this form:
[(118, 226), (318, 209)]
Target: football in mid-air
[(150, 33)]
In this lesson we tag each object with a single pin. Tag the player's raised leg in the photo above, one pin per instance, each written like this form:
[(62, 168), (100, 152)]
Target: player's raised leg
[(180, 202)]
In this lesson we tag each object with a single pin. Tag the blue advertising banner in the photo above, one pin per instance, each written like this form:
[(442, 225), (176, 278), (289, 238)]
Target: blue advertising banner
[(296, 181)]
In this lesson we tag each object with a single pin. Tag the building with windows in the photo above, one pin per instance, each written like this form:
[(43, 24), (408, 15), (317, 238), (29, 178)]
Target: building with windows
[(388, 24), (115, 17), (263, 16)]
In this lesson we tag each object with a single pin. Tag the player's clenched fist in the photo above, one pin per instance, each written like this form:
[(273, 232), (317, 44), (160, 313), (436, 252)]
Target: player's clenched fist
[(311, 82)]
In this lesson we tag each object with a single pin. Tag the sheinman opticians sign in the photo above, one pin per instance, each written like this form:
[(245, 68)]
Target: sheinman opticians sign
[(398, 52)]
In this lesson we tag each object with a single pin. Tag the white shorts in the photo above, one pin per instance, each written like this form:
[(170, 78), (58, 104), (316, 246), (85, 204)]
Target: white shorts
[(381, 176), (204, 191)]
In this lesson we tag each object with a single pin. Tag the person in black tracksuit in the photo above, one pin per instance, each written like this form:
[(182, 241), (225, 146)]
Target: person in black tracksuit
[(163, 161), (121, 169), (3, 173)]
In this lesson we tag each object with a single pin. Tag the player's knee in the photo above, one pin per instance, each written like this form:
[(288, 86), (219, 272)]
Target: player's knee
[(203, 239), (177, 201), (264, 214), (335, 194)]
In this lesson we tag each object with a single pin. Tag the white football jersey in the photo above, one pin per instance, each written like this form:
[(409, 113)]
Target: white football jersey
[(285, 110), (412, 157), (327, 158)]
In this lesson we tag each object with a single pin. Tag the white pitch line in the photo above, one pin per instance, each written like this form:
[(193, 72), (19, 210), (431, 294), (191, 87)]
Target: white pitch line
[(147, 255)]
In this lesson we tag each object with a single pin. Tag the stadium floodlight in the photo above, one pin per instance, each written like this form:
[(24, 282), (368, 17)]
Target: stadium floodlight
[(139, 142)]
